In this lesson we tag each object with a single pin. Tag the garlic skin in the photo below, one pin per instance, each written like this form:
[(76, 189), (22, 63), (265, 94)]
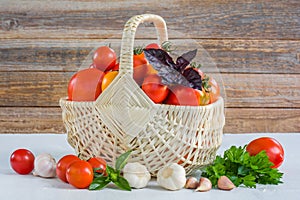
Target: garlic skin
[(172, 177), (136, 174), (44, 166)]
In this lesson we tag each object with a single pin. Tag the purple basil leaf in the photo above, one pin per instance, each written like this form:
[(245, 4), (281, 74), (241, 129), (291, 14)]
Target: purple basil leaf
[(193, 77), (159, 55), (163, 63), (184, 60)]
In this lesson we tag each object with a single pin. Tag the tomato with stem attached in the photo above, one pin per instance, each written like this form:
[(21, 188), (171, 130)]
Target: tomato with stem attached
[(272, 147), (80, 174), (154, 88), (22, 161), (104, 58), (63, 164)]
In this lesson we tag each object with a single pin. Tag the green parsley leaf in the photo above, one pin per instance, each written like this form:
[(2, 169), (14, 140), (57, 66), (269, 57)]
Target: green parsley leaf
[(243, 169)]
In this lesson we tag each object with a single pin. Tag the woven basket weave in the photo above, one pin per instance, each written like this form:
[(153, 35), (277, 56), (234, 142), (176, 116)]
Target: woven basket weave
[(124, 118)]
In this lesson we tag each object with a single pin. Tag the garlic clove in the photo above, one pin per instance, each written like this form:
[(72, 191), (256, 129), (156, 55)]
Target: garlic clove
[(191, 183), (224, 183), (204, 185), (44, 166)]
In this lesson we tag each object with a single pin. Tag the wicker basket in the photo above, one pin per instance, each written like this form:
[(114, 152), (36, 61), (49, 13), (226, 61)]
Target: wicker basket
[(124, 118)]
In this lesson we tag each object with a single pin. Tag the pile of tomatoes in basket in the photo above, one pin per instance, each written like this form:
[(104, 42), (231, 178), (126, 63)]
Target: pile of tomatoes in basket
[(88, 84)]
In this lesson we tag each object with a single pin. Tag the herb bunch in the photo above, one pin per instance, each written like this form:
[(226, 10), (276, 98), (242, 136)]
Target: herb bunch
[(243, 169), (112, 175)]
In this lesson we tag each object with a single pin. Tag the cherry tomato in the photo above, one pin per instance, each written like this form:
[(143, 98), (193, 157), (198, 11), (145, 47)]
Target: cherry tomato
[(214, 90), (22, 161), (80, 174), (181, 95), (153, 46), (104, 58), (85, 85), (272, 147), (97, 162), (154, 89), (63, 164), (108, 78), (140, 68)]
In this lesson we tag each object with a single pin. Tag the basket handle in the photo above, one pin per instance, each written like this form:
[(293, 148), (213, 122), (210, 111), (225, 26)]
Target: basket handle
[(127, 44)]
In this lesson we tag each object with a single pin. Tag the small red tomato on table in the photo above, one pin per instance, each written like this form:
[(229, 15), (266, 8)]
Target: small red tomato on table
[(98, 163), (80, 174), (272, 147), (63, 164), (22, 161)]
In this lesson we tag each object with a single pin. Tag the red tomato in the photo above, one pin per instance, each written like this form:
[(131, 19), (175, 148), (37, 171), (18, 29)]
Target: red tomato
[(272, 147), (153, 46), (104, 58), (80, 174), (154, 89), (181, 95), (97, 162), (108, 78), (22, 161), (140, 68), (85, 85), (63, 164), (214, 90), (116, 67)]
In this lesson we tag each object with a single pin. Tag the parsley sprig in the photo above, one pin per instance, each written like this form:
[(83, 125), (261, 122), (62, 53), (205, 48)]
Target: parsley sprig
[(243, 169)]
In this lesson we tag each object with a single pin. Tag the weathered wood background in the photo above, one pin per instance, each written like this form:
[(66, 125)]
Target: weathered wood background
[(255, 45)]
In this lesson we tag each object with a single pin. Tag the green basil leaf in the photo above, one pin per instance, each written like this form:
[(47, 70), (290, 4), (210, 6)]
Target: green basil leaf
[(112, 173), (99, 183), (121, 160), (122, 183)]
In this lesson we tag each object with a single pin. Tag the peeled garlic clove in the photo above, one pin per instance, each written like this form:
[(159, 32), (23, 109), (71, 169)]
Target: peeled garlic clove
[(204, 185), (191, 183), (224, 183), (136, 174), (44, 166)]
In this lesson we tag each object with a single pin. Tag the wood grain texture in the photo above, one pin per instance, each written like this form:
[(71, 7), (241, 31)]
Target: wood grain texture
[(255, 46), (230, 56), (200, 19)]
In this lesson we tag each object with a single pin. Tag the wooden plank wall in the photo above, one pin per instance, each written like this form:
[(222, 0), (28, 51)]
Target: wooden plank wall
[(255, 45)]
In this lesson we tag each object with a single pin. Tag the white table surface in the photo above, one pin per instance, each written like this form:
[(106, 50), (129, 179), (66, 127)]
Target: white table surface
[(25, 187)]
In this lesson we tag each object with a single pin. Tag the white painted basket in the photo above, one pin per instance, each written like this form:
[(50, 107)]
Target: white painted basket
[(124, 118)]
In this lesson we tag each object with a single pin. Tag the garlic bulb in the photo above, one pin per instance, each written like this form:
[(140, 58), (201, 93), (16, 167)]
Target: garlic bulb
[(44, 166), (136, 174), (171, 177)]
